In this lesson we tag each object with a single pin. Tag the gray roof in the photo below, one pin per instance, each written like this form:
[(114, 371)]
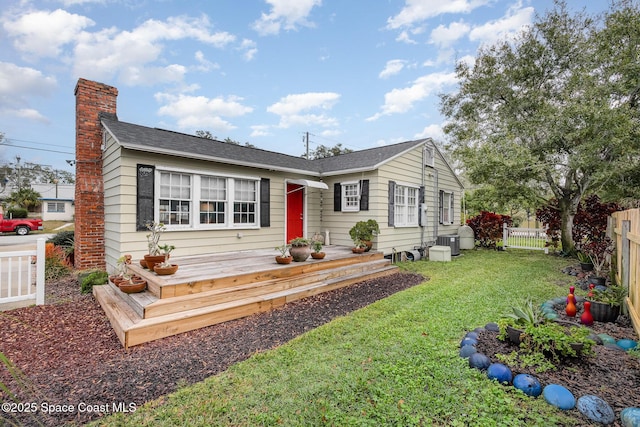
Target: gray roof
[(154, 140)]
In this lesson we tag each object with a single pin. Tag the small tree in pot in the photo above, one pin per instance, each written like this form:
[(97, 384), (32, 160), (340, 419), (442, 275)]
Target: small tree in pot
[(364, 231)]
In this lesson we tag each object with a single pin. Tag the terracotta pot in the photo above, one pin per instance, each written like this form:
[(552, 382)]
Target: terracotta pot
[(358, 250), (284, 259), (143, 263), (132, 288), (369, 245), (300, 253), (165, 271), (318, 255), (152, 260)]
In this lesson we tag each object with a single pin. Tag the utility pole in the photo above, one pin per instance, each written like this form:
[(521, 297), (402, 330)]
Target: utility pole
[(307, 140)]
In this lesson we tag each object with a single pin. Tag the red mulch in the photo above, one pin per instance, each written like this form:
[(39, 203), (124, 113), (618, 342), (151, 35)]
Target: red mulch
[(69, 353)]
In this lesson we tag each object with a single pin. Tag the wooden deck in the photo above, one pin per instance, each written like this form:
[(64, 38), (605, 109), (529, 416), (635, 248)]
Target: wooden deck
[(216, 288)]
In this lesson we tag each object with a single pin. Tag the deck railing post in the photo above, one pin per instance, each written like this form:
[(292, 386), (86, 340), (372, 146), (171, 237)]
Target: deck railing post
[(40, 262)]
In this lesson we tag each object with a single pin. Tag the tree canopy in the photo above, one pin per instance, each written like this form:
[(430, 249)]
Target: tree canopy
[(322, 151), (554, 112)]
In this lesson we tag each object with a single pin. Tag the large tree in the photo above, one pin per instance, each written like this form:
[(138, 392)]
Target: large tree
[(553, 110)]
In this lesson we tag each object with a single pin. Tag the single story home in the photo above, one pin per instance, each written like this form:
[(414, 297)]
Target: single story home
[(57, 201), (219, 197)]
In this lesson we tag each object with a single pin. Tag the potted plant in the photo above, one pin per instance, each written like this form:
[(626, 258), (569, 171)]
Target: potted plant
[(284, 257), (359, 246), (599, 250), (364, 231), (126, 281), (540, 338), (585, 261), (299, 249), (155, 255), (165, 267), (606, 303), (317, 253)]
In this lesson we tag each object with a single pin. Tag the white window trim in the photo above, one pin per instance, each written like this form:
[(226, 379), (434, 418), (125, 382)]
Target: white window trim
[(194, 213), (343, 203), (417, 207), (430, 155), (448, 207)]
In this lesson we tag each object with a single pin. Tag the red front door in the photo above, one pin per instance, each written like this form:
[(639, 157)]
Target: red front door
[(295, 211)]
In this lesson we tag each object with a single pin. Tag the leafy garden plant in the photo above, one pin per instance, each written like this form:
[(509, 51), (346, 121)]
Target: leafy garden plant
[(487, 228)]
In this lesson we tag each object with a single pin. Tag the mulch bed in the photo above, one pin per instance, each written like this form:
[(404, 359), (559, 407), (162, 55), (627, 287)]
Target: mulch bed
[(69, 353)]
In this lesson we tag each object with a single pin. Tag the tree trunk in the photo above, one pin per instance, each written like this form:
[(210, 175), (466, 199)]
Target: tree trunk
[(568, 207)]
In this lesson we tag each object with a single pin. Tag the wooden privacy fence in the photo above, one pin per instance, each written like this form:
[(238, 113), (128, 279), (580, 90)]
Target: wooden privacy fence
[(524, 238), (17, 275), (626, 234)]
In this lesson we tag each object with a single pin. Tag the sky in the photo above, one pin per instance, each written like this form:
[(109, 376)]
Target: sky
[(361, 73)]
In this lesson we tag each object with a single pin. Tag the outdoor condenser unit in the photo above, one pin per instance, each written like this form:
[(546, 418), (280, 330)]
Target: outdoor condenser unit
[(451, 240)]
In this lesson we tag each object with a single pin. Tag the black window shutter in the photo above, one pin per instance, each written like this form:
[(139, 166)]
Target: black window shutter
[(420, 202), (364, 195), (265, 202), (451, 209), (441, 206), (337, 197), (145, 176), (392, 199)]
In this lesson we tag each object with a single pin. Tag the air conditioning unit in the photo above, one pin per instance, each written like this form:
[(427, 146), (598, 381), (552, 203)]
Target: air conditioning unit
[(451, 240)]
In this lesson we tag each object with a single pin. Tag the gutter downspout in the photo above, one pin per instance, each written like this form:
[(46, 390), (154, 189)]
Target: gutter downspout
[(436, 204)]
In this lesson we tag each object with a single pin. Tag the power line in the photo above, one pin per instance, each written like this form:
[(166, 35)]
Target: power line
[(38, 149)]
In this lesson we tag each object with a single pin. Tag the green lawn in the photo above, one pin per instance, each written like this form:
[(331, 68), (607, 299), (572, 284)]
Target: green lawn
[(394, 362)]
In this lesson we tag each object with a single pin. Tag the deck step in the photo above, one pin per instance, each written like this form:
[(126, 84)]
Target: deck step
[(161, 307), (194, 311), (154, 328)]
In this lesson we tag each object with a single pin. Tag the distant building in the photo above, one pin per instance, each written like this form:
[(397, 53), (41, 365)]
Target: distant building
[(57, 201)]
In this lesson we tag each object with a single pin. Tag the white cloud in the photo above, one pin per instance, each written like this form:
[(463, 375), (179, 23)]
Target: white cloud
[(416, 11), (445, 36), (17, 85), (291, 107), (402, 100), (285, 14), (393, 67), (260, 130), (433, 131), (516, 19), (294, 104), (44, 33), (109, 52), (249, 48), (200, 112)]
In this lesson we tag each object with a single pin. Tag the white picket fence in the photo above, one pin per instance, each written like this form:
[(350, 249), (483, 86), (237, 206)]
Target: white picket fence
[(524, 238), (17, 281)]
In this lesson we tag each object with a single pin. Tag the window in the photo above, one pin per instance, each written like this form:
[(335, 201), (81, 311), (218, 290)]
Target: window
[(204, 201), (428, 156), (245, 201), (350, 197), (175, 198), (55, 207), (213, 200), (406, 206), (446, 208)]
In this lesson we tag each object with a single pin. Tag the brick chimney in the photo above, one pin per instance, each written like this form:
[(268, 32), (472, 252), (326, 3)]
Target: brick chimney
[(92, 98)]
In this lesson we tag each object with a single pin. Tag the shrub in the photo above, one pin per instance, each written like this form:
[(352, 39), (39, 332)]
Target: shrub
[(487, 227), (62, 238), (95, 278), (55, 265), (16, 213), (589, 223)]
